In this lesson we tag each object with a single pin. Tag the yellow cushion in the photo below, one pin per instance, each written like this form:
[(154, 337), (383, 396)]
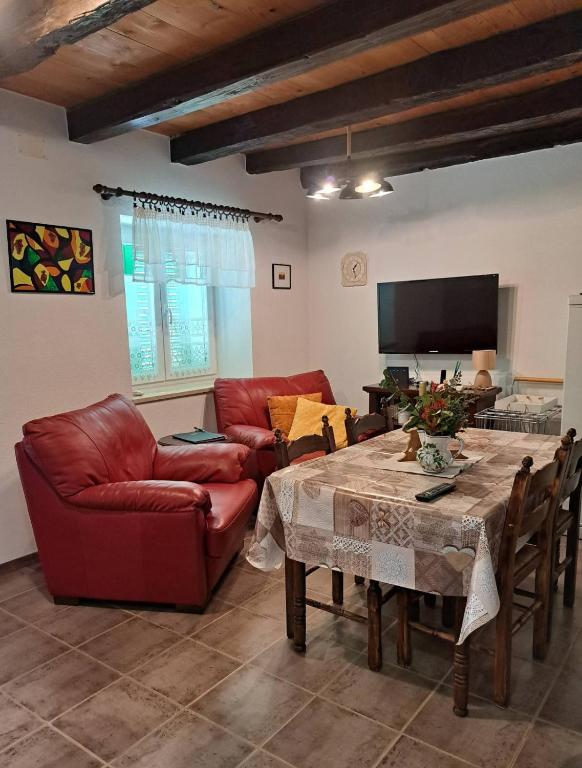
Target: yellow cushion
[(282, 409), (307, 420)]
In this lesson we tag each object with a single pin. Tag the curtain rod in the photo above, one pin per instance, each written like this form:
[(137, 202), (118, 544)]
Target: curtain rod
[(179, 202)]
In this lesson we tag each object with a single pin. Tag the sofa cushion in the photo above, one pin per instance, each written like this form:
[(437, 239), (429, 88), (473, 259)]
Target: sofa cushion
[(107, 442), (307, 420), (232, 506), (244, 401), (282, 409)]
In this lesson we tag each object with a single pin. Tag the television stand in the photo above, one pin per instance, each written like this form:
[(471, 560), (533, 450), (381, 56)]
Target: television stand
[(485, 398)]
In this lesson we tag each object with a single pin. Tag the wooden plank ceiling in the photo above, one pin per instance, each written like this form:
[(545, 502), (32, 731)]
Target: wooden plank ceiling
[(423, 83)]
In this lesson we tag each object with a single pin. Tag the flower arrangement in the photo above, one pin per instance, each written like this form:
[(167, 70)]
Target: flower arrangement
[(441, 412)]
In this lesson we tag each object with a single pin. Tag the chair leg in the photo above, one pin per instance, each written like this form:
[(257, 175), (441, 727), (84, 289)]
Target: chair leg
[(461, 663), (502, 668), (359, 580), (448, 613), (374, 596), (337, 587), (572, 551), (403, 645), (299, 606), (289, 596), (414, 607), (543, 588)]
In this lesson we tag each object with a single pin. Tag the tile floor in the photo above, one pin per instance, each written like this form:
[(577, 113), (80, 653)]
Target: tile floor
[(87, 687)]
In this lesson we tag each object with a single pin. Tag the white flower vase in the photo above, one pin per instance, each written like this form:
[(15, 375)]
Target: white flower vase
[(435, 455)]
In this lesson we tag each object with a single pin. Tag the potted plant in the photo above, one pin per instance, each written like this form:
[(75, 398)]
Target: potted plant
[(438, 416)]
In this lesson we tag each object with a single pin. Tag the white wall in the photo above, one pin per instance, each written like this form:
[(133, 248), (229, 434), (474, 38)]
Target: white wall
[(518, 216), (61, 352)]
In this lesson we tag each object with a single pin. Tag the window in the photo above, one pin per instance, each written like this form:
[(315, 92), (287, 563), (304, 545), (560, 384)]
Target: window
[(170, 328)]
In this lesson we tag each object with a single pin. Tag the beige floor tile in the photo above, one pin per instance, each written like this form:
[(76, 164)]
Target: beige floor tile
[(530, 681), (488, 737), (563, 704), (271, 603), (390, 696), (114, 719), (9, 623), (25, 649), (187, 623), (261, 759), (574, 658), (550, 747), (185, 671), (252, 704), (241, 634), (325, 657), (325, 736), (60, 684), (131, 644), (77, 624), (47, 749), (407, 753), (15, 722), (14, 582), (34, 605), (186, 741), (239, 585)]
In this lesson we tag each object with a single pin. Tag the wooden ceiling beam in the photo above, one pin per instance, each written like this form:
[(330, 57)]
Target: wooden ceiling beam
[(545, 106), (506, 57), (32, 31), (336, 30), (430, 158)]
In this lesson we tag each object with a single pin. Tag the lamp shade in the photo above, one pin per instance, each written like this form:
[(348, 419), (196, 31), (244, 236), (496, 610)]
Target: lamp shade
[(484, 359)]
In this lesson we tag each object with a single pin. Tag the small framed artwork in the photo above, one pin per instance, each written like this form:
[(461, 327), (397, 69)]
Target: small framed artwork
[(49, 258), (282, 276)]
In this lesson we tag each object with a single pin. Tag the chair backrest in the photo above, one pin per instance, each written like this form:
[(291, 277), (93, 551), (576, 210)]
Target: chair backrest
[(531, 508), (573, 473), (364, 427), (106, 442), (244, 401), (285, 452)]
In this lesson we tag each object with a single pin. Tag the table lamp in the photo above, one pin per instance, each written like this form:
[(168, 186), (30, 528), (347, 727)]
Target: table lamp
[(483, 361)]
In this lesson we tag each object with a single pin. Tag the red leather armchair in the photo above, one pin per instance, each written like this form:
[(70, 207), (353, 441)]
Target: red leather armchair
[(116, 517), (242, 412)]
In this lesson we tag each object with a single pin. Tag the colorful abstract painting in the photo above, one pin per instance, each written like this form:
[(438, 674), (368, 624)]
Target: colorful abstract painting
[(49, 259)]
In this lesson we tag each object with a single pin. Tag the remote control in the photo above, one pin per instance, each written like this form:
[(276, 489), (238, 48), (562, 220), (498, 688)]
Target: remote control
[(433, 493)]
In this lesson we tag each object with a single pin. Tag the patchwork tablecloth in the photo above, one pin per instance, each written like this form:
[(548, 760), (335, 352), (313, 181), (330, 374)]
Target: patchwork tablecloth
[(345, 511)]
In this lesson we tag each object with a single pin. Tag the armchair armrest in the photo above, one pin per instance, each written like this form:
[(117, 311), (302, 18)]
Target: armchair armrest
[(253, 437), (207, 463), (143, 496)]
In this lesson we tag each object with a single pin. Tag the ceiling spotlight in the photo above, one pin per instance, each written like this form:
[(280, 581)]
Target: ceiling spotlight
[(368, 185), (316, 194), (329, 186), (385, 189)]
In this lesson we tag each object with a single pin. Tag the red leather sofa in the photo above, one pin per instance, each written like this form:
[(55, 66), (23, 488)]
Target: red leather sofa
[(242, 412), (117, 517)]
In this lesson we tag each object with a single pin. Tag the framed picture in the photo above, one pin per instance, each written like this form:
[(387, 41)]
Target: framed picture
[(49, 258), (282, 276)]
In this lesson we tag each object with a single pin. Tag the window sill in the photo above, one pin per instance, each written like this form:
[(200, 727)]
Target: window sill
[(154, 396)]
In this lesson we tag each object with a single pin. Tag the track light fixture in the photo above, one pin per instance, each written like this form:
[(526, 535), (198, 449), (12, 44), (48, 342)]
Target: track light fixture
[(348, 187)]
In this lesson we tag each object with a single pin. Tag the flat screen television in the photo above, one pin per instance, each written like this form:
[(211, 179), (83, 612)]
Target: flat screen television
[(452, 315)]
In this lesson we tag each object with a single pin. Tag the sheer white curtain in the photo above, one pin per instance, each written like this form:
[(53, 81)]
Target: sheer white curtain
[(192, 248)]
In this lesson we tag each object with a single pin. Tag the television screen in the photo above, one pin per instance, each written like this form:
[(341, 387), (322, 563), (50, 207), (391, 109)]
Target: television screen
[(452, 315)]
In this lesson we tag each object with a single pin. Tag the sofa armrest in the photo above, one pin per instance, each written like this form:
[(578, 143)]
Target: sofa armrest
[(208, 463), (253, 437), (143, 496)]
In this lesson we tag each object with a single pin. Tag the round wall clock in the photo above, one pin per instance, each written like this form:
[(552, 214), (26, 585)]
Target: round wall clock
[(354, 269)]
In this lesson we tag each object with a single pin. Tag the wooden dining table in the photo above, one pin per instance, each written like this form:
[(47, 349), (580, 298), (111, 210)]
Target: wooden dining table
[(351, 511)]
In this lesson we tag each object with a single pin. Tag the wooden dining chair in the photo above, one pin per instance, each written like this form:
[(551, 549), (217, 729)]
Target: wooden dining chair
[(287, 453), (529, 518), (361, 428), (567, 521)]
